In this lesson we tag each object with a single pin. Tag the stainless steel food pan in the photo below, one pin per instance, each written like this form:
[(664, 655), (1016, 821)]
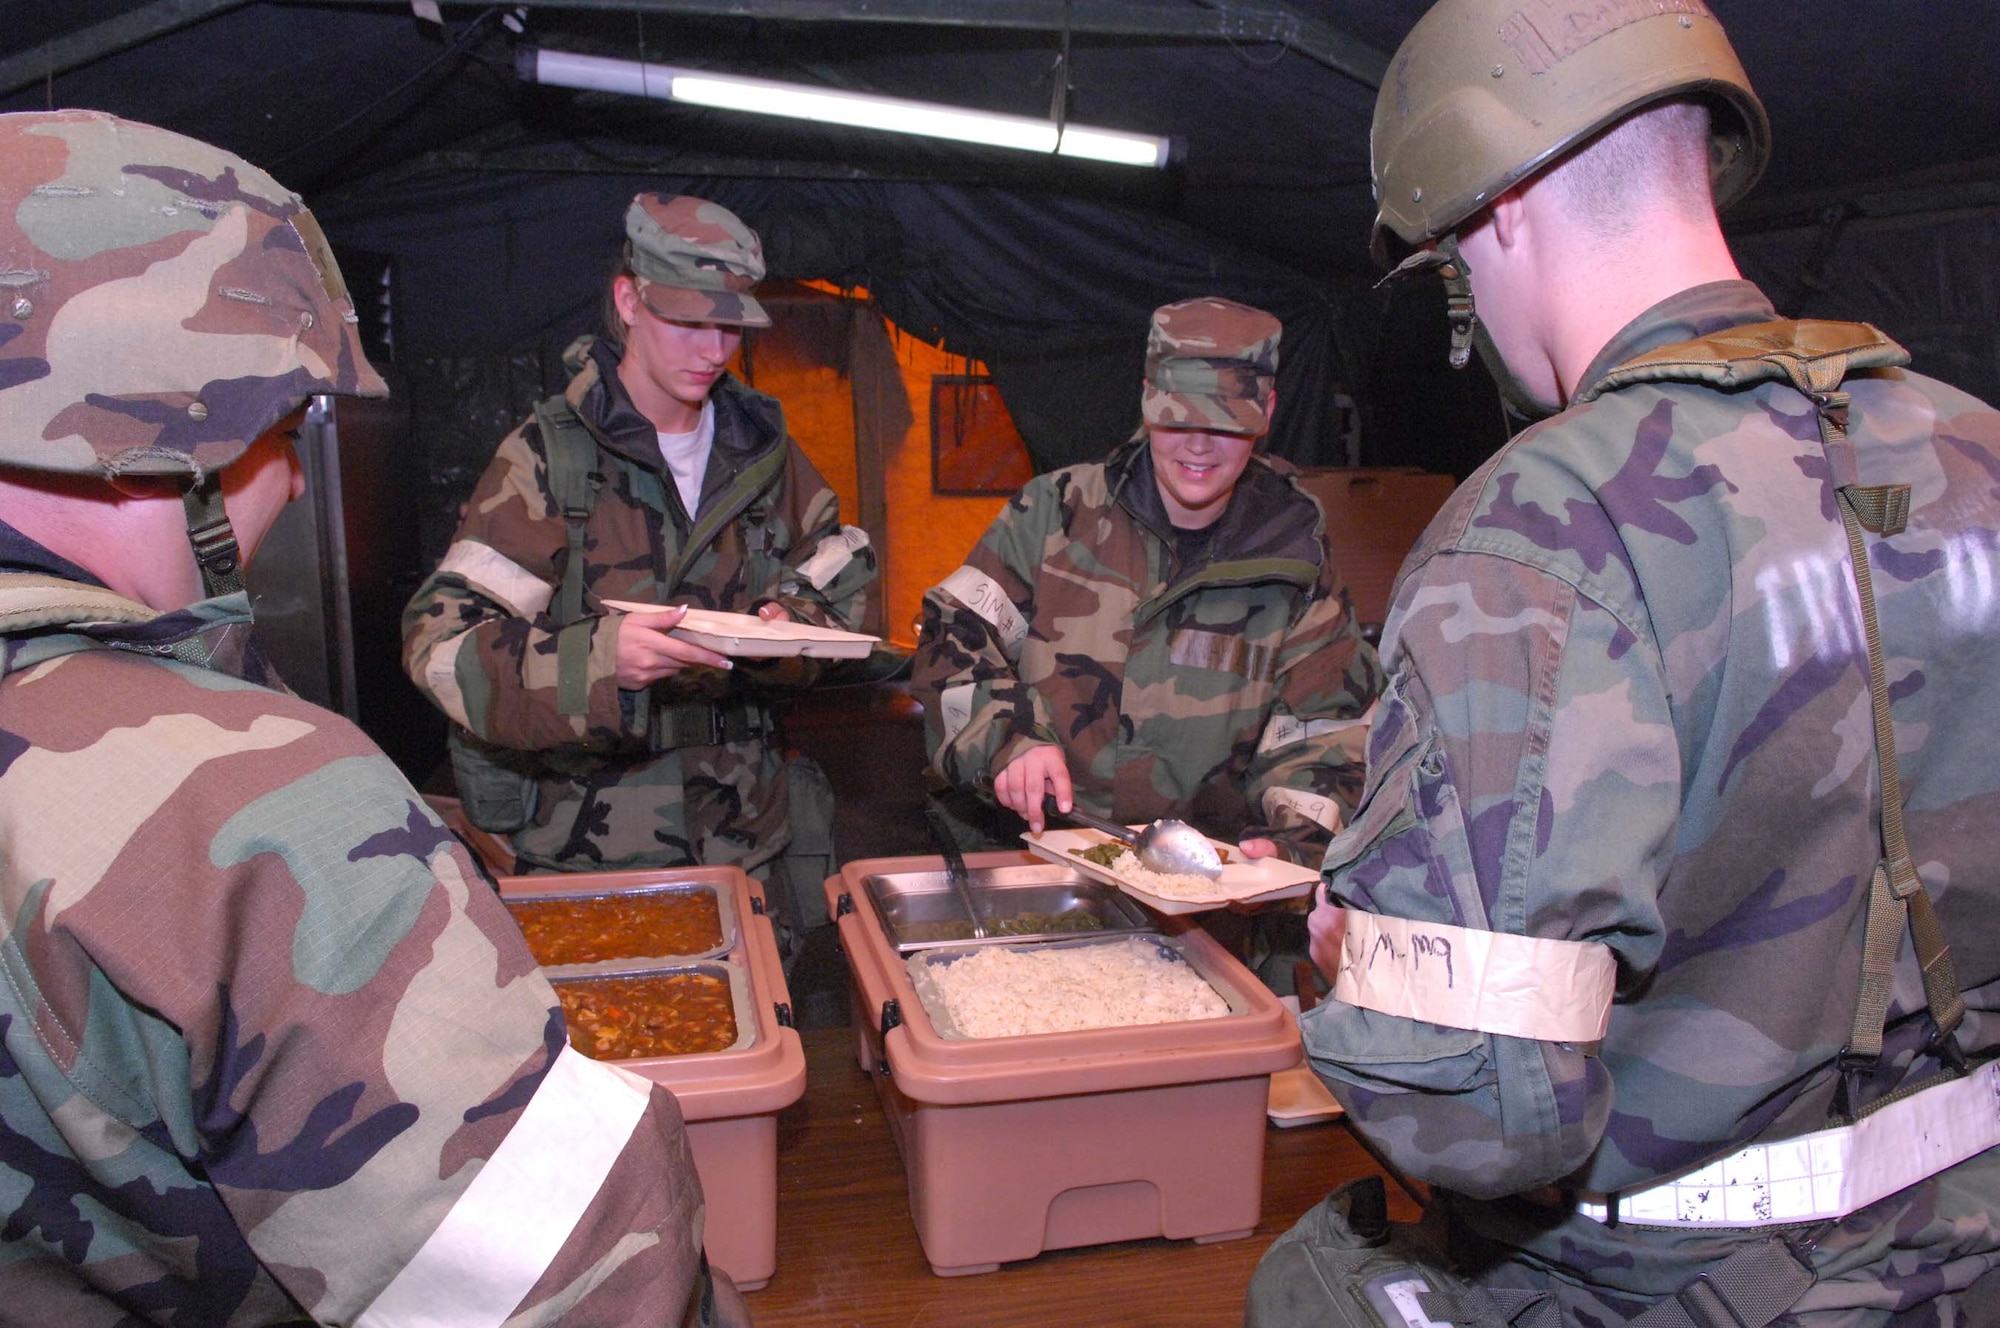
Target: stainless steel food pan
[(584, 976), (920, 910)]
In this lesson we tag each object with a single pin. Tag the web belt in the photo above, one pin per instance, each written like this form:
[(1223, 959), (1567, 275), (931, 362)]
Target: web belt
[(705, 724)]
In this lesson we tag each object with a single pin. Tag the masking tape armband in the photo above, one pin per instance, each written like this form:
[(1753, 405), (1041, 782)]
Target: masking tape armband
[(1485, 981)]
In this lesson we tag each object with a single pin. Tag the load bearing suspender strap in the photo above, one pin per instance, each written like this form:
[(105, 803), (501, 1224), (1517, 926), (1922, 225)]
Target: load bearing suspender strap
[(1896, 894), (573, 483)]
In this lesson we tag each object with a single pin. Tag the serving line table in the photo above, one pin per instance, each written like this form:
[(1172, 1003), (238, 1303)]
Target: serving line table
[(848, 1253)]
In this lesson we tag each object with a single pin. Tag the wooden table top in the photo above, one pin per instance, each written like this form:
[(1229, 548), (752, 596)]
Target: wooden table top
[(848, 1252)]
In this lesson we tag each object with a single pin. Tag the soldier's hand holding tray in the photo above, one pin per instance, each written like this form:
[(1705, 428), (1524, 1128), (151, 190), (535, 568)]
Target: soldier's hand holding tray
[(647, 650), (767, 634)]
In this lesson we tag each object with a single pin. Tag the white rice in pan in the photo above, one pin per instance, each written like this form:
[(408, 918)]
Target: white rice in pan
[(1002, 992)]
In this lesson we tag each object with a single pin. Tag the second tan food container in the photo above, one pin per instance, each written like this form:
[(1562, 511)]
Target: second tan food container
[(1016, 1145)]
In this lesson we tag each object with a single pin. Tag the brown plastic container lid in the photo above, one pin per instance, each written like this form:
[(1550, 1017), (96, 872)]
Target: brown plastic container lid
[(1261, 1039)]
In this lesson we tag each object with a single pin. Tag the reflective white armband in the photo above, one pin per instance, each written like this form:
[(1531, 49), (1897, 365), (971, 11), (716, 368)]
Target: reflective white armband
[(983, 595), (498, 577), (1490, 982), (1829, 1173), (512, 1221)]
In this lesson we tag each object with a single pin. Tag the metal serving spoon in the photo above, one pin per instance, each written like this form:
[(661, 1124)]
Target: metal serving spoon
[(1167, 846), (954, 867)]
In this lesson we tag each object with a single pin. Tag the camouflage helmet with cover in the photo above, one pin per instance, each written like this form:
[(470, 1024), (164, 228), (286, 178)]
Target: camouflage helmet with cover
[(163, 303), (1483, 94)]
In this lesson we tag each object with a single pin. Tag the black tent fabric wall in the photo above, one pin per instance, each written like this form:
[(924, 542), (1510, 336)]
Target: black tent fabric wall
[(1931, 280), (1053, 294)]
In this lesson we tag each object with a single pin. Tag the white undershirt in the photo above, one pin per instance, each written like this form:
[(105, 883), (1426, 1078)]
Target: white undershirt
[(686, 455)]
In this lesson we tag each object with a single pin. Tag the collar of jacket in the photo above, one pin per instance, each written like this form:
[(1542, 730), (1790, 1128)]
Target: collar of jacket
[(1271, 531), (1699, 311), (44, 617), (49, 607), (747, 422)]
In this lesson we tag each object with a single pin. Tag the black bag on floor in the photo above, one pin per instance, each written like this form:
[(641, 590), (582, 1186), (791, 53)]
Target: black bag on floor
[(1345, 1265)]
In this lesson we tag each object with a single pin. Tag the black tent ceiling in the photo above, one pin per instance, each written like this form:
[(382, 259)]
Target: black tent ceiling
[(401, 130)]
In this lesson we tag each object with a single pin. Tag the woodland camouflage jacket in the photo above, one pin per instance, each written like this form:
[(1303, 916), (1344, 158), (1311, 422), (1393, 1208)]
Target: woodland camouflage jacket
[(272, 1045), (480, 642), (1230, 692), (1629, 704)]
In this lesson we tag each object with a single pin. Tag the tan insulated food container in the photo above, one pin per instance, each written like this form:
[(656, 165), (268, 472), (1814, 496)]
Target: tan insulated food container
[(730, 1098), (1016, 1145)]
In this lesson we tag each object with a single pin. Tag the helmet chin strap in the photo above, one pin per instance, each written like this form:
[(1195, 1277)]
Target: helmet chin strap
[(1458, 310), (1444, 259), (215, 550), (1467, 332)]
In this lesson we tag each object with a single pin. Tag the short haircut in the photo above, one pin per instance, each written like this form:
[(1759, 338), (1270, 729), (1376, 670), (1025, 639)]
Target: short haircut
[(1654, 159)]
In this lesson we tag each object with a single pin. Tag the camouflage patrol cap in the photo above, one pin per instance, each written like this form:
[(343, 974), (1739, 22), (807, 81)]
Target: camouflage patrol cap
[(1484, 93), (1210, 364), (696, 261), (162, 302)]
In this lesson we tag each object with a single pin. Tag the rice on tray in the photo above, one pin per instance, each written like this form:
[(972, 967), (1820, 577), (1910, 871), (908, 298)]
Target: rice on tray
[(1001, 992), (1166, 885)]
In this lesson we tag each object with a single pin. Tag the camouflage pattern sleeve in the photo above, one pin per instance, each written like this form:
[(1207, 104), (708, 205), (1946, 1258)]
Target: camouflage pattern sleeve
[(821, 575), (1513, 730), (477, 636), (827, 570), (273, 1030), (978, 713), (1307, 772)]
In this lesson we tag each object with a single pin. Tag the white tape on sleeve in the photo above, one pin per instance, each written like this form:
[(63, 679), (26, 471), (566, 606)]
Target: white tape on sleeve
[(441, 676), (499, 577), (983, 595), (955, 709), (1315, 807), (1284, 730), (833, 555), (508, 1226), (1490, 982)]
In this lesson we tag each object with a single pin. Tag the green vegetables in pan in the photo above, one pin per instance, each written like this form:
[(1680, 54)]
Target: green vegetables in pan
[(1021, 924)]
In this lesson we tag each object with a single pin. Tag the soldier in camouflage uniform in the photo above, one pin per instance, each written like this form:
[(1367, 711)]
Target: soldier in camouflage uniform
[(645, 750), (1628, 733), (273, 1051), (1163, 633)]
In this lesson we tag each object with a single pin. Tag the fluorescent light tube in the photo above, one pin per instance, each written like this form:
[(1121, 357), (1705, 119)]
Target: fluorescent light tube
[(832, 106)]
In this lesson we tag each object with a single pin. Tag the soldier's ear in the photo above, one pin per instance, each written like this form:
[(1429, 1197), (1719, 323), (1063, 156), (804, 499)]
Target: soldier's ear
[(625, 298), (147, 486)]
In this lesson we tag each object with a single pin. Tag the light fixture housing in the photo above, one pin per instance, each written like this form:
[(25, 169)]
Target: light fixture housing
[(832, 106)]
